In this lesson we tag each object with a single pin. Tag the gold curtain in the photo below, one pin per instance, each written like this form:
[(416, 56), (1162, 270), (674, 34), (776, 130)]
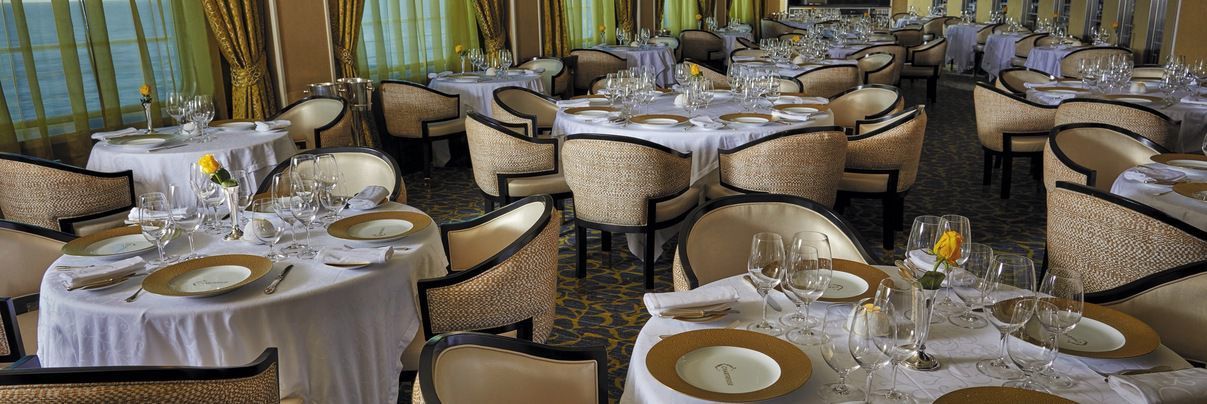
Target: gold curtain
[(659, 6), (236, 25), (491, 23), (553, 18), (706, 8), (624, 15), (345, 31)]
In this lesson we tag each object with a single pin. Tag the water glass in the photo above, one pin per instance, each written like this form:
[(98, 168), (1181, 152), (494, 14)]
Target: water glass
[(837, 353), (267, 230), (188, 211), (1010, 288), (968, 282), (810, 269), (1031, 355), (907, 317), (1059, 309), (871, 339), (155, 220), (766, 270)]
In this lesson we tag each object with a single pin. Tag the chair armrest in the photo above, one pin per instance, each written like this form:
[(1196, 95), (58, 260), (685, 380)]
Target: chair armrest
[(94, 222)]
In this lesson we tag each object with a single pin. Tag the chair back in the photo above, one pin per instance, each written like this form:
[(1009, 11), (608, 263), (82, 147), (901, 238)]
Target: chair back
[(523, 106), (359, 168), (1148, 72), (1094, 154), (908, 37), (828, 81), (804, 162), (892, 142), (1069, 63), (594, 63), (1015, 79), (468, 367), (934, 27), (401, 107), (929, 54), (864, 102), (999, 112), (1023, 46), (982, 35), (714, 238), (700, 45), (746, 52), (1146, 121), (773, 28), (789, 84), (495, 149), (553, 68), (613, 178), (876, 68), (718, 79), (308, 116), (888, 77), (29, 252), (62, 197)]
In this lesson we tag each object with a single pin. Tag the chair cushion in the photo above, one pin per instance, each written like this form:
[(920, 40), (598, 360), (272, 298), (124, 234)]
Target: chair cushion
[(673, 208), (1028, 144), (445, 128), (28, 324), (909, 70), (863, 182), (1018, 62), (716, 190), (545, 184)]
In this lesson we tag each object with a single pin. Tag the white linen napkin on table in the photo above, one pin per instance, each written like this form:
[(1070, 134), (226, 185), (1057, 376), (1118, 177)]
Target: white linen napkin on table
[(1193, 99), (352, 256), (249, 229), (433, 76), (706, 122), (580, 102), (84, 276), (116, 133), (265, 126), (921, 260), (666, 304), (791, 117), (1174, 387), (369, 198), (1151, 174)]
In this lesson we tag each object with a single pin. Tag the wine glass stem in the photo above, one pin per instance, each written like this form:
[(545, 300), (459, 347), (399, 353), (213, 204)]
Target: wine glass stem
[(766, 298), (804, 311), (192, 250), (868, 387), (892, 378), (1001, 357), (162, 257)]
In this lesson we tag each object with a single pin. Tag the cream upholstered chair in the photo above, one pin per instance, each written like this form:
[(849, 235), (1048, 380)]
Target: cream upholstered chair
[(555, 77), (1069, 63), (982, 36), (746, 52), (882, 163), (718, 79), (256, 382), (597, 85), (467, 367), (508, 165), (702, 45), (828, 81), (773, 29), (1141, 119), (520, 105), (1124, 251), (360, 167), (410, 113), (625, 185), (1148, 72), (933, 29), (789, 85), (926, 62), (310, 116), (592, 63), (893, 75), (1015, 79), (804, 162), (877, 68), (61, 197), (1022, 49), (1094, 154), (707, 239), (868, 101), (1009, 126), (908, 37), (29, 251)]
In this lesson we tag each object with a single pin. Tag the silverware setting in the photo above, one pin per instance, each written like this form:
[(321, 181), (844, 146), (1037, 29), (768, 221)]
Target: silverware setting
[(167, 147), (1125, 372), (134, 296), (103, 282), (272, 287)]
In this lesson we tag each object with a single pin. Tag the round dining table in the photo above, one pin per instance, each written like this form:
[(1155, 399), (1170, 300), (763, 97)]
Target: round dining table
[(155, 170), (999, 49), (1189, 114), (477, 90), (843, 51), (1162, 198), (659, 57), (961, 45), (957, 349), (339, 333), (1047, 58)]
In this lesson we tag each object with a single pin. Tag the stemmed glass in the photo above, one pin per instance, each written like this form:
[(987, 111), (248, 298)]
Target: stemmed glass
[(244, 193), (155, 219), (766, 268), (837, 353), (1059, 309), (1032, 356), (176, 105), (211, 196), (871, 339), (961, 225), (304, 206), (188, 212), (907, 312), (266, 230), (1011, 280), (808, 276), (923, 234), (201, 111), (282, 194), (969, 284), (334, 202)]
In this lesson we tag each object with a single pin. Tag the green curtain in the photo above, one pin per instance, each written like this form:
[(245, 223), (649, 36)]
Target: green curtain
[(625, 14), (71, 67), (742, 11), (678, 15), (585, 17), (407, 39)]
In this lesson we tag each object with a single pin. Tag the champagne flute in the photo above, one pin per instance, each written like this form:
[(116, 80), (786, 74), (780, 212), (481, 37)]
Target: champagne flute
[(267, 230), (766, 270), (969, 284), (282, 193), (304, 206), (1032, 356), (837, 354), (1011, 279), (155, 220), (870, 338), (908, 309), (808, 276), (1059, 309), (187, 214)]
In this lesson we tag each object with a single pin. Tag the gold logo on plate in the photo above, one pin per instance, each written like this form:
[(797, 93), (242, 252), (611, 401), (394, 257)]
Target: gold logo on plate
[(727, 370)]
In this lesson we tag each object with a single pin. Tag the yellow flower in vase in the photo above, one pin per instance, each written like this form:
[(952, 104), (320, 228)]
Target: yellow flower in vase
[(145, 91), (603, 28), (947, 252), (218, 175), (695, 70), (459, 49), (698, 17)]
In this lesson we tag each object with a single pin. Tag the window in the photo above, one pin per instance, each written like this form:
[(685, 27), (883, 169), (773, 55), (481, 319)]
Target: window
[(407, 39), (583, 19)]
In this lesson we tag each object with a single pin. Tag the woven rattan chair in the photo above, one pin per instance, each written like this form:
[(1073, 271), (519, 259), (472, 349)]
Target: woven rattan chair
[(1015, 79), (773, 29), (1069, 64), (28, 251), (877, 68), (1008, 127), (257, 382), (1094, 154), (982, 36), (555, 76), (480, 368), (718, 79), (892, 76), (625, 185), (702, 45), (868, 101), (1148, 72), (310, 117), (926, 62), (1160, 299), (1022, 49), (805, 162), (62, 197), (828, 81), (592, 63), (411, 113), (1141, 119), (711, 238), (508, 165), (882, 163), (520, 105), (359, 167), (908, 37)]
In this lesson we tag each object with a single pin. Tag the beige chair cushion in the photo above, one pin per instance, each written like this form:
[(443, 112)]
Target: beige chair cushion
[(552, 68), (1107, 152), (86, 227), (677, 206), (472, 246), (26, 258), (1166, 309), (28, 324), (478, 374), (1018, 62), (861, 103), (1028, 143), (445, 128), (863, 182), (309, 115), (545, 184), (716, 190)]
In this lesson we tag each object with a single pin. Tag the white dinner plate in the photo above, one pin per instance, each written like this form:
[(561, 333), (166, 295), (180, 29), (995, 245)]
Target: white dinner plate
[(1133, 100), (728, 369), (749, 120), (140, 142), (209, 279), (845, 285), (592, 113), (800, 111), (1089, 335), (121, 246), (1195, 164), (237, 125), (381, 229), (721, 95)]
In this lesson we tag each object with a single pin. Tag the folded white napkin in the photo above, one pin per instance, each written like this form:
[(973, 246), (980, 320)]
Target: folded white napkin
[(744, 58), (265, 126), (1152, 174), (790, 117), (788, 99), (491, 72), (353, 256), (921, 260), (438, 75), (84, 276), (601, 119), (580, 102), (369, 198), (680, 100), (1192, 99), (1174, 387), (249, 229), (116, 133), (133, 216), (706, 122), (660, 304)]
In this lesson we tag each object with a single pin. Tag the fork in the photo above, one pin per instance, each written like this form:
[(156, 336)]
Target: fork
[(1154, 369)]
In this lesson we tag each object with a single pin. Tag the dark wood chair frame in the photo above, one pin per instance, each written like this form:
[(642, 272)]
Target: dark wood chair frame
[(531, 118), (425, 139), (1091, 174), (127, 374)]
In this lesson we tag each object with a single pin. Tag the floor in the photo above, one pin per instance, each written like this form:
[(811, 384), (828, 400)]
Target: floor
[(605, 308)]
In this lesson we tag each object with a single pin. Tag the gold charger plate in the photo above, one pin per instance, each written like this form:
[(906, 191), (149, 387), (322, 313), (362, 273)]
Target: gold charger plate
[(1139, 337), (580, 110), (207, 276), (1061, 89), (664, 357), (999, 395), (746, 118), (866, 272), (347, 227), (787, 108), (1147, 99), (92, 244), (1168, 157), (589, 97), (659, 119), (1190, 189)]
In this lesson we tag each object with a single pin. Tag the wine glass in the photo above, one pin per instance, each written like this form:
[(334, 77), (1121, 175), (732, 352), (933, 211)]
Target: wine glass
[(837, 353), (969, 284), (919, 254), (327, 170), (267, 230), (766, 270), (908, 304), (282, 193), (176, 105), (211, 196), (304, 206), (202, 112), (1030, 355), (244, 193), (961, 226), (808, 276), (1059, 309), (334, 202), (155, 220), (304, 167), (1011, 279), (870, 338), (188, 211)]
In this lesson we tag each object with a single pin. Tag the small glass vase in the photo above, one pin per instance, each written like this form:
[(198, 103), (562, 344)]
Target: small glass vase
[(462, 64), (921, 360), (232, 195), (146, 110)]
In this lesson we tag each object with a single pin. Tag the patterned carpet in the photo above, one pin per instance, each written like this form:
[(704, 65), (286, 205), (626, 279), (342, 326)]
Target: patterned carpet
[(605, 308)]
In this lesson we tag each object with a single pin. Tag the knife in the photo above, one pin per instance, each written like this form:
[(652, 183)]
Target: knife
[(167, 147), (272, 287), (770, 302)]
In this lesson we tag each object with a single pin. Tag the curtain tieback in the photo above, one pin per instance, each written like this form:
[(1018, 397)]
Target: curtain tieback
[(345, 55), (247, 76)]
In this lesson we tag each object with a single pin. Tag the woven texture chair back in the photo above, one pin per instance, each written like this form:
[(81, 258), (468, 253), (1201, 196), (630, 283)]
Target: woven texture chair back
[(260, 388), (1149, 124), (306, 116), (1015, 80), (595, 63), (1023, 46), (613, 180), (406, 105), (1105, 151), (492, 152), (997, 113), (897, 147), (931, 54), (860, 104), (523, 102), (1069, 63), (789, 85), (41, 195), (552, 66), (889, 76), (505, 376), (830, 80), (934, 27), (808, 165)]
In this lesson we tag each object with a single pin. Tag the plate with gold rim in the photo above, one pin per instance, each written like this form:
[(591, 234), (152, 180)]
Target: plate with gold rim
[(1184, 160), (1061, 90), (122, 242), (590, 112), (728, 365), (1104, 333), (1132, 98), (1192, 190), (379, 226), (802, 110), (656, 121), (852, 281), (999, 395), (207, 276), (747, 119), (145, 141)]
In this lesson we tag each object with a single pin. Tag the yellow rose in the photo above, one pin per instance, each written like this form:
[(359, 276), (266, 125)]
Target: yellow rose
[(458, 49), (1115, 25), (602, 28), (208, 164), (948, 247), (698, 17), (796, 38), (144, 90), (695, 70)]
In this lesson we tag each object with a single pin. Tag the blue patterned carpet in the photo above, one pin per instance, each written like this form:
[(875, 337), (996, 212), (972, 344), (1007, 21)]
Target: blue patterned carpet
[(605, 308)]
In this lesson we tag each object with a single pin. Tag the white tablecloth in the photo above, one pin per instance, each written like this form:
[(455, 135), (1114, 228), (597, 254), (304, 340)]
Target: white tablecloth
[(1047, 58), (477, 96), (958, 349), (911, 20), (660, 57), (154, 171), (961, 45), (1183, 208), (999, 49), (1190, 120), (794, 70), (340, 333), (841, 52)]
